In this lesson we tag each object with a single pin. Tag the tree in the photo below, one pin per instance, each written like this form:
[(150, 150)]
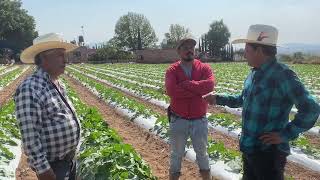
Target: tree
[(110, 52), (217, 37), (285, 58), (298, 56), (175, 34), (240, 53), (16, 25), (134, 31), (114, 42)]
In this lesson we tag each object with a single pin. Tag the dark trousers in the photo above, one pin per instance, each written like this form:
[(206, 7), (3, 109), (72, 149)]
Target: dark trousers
[(64, 170), (265, 165)]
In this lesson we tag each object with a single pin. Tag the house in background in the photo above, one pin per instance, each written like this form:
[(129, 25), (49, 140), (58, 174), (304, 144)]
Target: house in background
[(80, 55), (169, 55), (155, 56)]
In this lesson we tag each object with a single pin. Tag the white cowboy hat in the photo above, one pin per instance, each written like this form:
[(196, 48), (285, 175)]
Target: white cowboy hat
[(44, 43), (260, 34), (184, 40)]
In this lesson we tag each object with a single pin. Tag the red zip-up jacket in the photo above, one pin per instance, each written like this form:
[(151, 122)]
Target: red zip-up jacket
[(186, 94)]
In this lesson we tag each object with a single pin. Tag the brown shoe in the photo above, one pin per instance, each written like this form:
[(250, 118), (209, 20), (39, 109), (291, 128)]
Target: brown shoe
[(205, 174), (174, 176)]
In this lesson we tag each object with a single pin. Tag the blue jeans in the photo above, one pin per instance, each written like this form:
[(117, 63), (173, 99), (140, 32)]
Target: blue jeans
[(180, 131), (64, 170), (264, 165)]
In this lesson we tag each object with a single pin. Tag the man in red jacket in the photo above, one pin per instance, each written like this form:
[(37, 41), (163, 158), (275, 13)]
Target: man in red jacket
[(186, 81)]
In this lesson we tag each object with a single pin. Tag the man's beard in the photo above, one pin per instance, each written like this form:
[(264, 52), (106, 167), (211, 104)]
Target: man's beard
[(189, 58)]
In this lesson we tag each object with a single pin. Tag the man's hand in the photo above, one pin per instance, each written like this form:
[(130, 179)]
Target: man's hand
[(48, 175), (271, 138), (210, 98)]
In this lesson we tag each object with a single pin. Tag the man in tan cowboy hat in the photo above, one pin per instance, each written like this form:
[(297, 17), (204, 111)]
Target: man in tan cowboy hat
[(186, 81), (270, 91), (49, 127)]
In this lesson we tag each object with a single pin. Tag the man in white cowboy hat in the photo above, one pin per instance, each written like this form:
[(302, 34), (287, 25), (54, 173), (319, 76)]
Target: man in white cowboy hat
[(186, 81), (49, 127), (270, 91)]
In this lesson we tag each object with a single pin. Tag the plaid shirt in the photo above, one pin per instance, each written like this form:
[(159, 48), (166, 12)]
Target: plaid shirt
[(49, 127), (267, 98)]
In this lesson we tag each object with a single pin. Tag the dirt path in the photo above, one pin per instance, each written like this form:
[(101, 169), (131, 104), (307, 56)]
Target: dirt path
[(314, 140), (7, 92), (23, 172), (152, 149)]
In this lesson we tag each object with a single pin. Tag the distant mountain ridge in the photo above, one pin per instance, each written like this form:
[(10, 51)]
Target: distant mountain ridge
[(290, 48)]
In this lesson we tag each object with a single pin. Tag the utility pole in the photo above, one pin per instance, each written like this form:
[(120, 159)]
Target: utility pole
[(83, 44), (82, 30)]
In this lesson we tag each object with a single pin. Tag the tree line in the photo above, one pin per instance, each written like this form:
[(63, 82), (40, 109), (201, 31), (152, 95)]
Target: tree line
[(133, 31)]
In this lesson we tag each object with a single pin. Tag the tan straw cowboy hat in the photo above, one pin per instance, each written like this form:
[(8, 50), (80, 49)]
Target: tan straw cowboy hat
[(260, 34), (44, 43), (184, 40)]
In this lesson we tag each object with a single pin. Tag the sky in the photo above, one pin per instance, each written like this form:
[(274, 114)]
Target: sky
[(297, 20)]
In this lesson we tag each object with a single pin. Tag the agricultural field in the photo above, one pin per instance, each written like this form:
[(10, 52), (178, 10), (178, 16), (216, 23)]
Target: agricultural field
[(122, 109)]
